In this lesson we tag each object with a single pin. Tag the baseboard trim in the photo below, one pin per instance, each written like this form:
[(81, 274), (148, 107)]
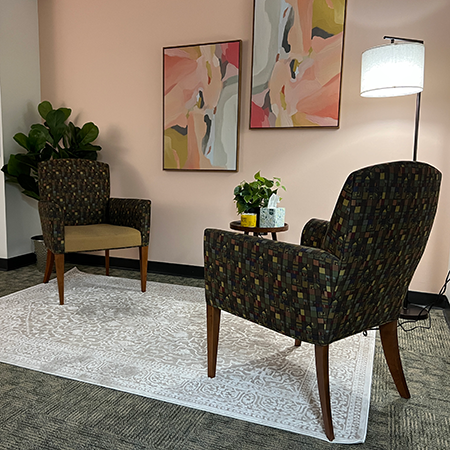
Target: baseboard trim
[(17, 261), (125, 263), (427, 299)]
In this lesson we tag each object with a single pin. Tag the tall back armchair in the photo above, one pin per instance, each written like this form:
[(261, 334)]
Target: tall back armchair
[(77, 214), (349, 274)]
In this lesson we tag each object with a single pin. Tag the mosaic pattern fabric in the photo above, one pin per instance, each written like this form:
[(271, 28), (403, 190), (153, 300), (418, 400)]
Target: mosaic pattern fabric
[(133, 213), (77, 192), (355, 281), (79, 187), (314, 233)]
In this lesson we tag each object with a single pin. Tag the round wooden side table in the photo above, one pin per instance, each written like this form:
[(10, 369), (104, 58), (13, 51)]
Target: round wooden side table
[(257, 231)]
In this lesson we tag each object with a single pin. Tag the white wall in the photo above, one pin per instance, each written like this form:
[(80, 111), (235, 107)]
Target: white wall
[(3, 234), (103, 59), (20, 95)]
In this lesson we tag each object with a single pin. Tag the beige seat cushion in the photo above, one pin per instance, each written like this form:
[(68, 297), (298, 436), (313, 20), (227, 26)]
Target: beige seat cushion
[(101, 236)]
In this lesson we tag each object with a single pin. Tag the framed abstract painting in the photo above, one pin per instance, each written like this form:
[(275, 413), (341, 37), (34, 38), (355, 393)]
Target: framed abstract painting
[(297, 63), (201, 106)]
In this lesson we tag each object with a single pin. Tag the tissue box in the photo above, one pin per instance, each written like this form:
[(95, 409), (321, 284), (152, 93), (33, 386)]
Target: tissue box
[(271, 217)]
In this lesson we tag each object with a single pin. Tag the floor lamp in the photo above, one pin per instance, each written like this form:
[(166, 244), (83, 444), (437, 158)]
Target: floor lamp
[(393, 70)]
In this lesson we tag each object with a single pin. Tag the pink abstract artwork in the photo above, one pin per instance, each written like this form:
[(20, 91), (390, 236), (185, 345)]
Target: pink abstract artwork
[(297, 63), (201, 106)]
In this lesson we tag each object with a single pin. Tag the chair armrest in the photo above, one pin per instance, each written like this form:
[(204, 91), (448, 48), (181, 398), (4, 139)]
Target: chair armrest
[(52, 224), (314, 232), (133, 213), (285, 287)]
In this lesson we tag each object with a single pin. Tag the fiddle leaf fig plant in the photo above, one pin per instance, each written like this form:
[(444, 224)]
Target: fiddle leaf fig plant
[(249, 197), (55, 138)]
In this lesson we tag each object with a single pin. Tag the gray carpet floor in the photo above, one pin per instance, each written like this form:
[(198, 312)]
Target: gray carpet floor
[(39, 411)]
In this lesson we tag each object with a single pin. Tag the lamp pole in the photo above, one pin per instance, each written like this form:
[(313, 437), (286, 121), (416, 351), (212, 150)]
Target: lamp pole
[(416, 127)]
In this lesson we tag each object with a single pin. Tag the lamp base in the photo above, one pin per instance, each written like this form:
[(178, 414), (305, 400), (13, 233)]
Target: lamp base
[(413, 313)]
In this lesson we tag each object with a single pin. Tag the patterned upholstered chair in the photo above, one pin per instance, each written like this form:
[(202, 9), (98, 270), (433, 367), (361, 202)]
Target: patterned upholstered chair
[(348, 275), (77, 214)]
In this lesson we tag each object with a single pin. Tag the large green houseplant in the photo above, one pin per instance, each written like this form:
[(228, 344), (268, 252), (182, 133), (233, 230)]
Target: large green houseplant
[(249, 197), (55, 138)]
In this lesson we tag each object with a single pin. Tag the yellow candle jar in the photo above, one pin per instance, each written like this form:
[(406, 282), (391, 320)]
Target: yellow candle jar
[(248, 219)]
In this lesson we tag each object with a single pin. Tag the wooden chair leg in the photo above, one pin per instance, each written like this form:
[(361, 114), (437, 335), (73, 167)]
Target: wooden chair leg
[(389, 341), (212, 325), (107, 262), (323, 382), (143, 260), (49, 266), (59, 261)]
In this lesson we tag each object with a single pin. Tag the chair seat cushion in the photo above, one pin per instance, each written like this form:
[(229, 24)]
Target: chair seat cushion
[(101, 236)]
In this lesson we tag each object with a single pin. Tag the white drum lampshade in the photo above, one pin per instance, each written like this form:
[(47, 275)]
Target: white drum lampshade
[(393, 70)]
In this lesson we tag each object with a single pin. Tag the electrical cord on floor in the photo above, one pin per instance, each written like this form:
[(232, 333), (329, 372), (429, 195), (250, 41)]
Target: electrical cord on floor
[(444, 288), (426, 327), (425, 308)]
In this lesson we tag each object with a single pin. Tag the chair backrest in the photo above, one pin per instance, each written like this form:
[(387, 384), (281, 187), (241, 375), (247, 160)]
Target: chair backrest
[(379, 230), (79, 186)]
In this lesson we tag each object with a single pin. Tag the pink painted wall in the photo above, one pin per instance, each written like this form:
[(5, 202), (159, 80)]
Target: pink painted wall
[(103, 58)]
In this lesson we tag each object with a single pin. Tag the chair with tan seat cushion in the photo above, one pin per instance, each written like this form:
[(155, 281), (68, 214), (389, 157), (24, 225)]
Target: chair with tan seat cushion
[(77, 214)]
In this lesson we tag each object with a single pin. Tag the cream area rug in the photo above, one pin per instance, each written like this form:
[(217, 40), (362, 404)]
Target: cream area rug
[(153, 344)]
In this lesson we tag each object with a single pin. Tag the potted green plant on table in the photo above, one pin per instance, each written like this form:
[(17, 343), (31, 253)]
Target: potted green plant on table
[(251, 196), (55, 138)]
